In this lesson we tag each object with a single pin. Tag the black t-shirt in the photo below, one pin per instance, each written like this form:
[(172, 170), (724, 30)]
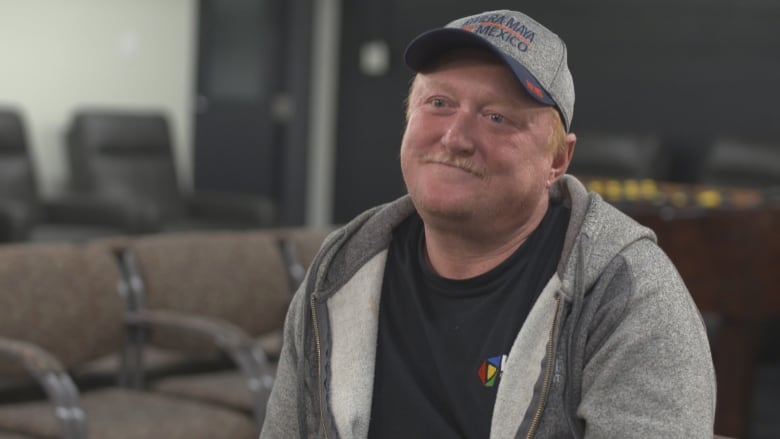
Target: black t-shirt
[(442, 342)]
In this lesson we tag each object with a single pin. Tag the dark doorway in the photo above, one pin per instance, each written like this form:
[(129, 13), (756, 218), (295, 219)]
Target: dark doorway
[(240, 105)]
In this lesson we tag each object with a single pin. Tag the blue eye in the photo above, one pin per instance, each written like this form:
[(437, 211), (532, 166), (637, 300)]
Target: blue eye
[(437, 102), (497, 118)]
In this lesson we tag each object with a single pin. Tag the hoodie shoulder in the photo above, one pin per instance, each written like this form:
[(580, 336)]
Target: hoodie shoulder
[(598, 232)]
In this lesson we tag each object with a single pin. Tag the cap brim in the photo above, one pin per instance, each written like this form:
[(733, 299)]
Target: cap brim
[(428, 46)]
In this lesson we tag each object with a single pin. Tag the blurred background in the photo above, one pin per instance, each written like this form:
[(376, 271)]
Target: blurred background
[(300, 102)]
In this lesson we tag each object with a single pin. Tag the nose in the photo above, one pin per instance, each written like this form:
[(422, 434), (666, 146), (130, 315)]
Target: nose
[(459, 138)]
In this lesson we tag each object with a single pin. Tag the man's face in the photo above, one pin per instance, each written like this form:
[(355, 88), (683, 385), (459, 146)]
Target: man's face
[(476, 146)]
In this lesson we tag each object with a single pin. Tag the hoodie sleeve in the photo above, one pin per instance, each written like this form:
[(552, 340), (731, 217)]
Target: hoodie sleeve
[(648, 370)]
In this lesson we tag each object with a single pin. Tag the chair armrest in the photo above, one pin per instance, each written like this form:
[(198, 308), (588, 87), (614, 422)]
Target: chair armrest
[(52, 377), (130, 216), (239, 346), (35, 360), (238, 209)]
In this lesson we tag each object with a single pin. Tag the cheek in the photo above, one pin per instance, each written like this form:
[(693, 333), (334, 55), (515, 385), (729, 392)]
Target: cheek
[(406, 147), (413, 144), (406, 156), (524, 168), (422, 130)]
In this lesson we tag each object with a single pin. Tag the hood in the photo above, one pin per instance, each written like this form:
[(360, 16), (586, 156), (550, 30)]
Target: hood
[(348, 248)]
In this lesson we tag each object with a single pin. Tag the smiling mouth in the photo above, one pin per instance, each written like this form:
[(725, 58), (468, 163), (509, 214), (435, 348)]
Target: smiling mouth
[(463, 165)]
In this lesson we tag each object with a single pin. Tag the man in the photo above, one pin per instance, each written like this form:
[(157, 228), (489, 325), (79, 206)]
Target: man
[(499, 298)]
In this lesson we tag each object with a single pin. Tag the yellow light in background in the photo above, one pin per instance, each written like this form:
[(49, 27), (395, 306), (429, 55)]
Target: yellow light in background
[(709, 198), (679, 199), (649, 189), (631, 190), (614, 190), (596, 186)]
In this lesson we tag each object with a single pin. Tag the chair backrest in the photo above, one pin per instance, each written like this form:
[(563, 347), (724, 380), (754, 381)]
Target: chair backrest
[(17, 176), (61, 297), (732, 162), (237, 276), (620, 156), (124, 155)]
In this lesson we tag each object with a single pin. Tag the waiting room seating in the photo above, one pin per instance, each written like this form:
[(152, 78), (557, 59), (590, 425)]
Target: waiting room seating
[(128, 156), (60, 309), (236, 277), (25, 215), (733, 162), (18, 196), (198, 373), (619, 156)]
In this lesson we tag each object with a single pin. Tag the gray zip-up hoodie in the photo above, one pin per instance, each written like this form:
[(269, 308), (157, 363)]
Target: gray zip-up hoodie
[(614, 346)]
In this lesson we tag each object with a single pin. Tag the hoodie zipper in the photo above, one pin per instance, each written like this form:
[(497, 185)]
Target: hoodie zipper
[(547, 374), (318, 348)]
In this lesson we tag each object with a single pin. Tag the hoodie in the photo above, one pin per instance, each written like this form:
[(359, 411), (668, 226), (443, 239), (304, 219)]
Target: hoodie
[(614, 347)]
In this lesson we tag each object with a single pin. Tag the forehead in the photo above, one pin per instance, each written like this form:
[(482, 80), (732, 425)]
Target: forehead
[(480, 69)]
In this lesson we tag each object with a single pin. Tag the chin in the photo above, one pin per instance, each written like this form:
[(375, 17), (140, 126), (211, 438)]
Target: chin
[(451, 210)]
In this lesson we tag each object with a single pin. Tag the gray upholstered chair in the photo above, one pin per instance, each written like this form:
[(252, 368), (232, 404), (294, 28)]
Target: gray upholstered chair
[(238, 277), (127, 155), (4, 435), (59, 309)]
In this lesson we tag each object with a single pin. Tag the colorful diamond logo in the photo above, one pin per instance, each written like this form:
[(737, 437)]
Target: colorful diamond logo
[(490, 370)]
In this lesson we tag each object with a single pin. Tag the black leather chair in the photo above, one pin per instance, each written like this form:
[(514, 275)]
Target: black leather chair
[(25, 215), (614, 155), (128, 156), (18, 196), (734, 162)]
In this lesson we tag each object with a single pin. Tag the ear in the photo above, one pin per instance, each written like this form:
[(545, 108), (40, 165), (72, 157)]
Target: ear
[(562, 158)]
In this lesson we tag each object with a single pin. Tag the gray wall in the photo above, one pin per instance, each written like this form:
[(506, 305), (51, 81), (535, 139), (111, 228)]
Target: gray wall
[(686, 70)]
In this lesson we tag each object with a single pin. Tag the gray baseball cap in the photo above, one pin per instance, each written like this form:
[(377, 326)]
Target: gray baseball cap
[(536, 55)]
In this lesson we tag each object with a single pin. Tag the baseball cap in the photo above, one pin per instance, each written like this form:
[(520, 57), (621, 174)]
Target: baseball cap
[(536, 55)]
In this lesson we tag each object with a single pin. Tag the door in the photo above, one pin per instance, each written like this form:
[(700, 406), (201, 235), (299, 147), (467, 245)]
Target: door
[(241, 62)]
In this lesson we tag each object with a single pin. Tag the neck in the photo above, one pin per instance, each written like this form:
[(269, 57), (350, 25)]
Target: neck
[(459, 252)]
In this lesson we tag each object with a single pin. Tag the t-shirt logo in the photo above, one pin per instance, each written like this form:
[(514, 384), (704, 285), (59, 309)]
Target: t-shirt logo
[(490, 370)]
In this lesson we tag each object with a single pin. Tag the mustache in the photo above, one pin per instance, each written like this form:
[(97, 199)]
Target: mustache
[(457, 162)]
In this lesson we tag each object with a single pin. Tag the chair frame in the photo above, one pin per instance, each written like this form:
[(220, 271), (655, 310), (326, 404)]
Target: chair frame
[(239, 346)]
